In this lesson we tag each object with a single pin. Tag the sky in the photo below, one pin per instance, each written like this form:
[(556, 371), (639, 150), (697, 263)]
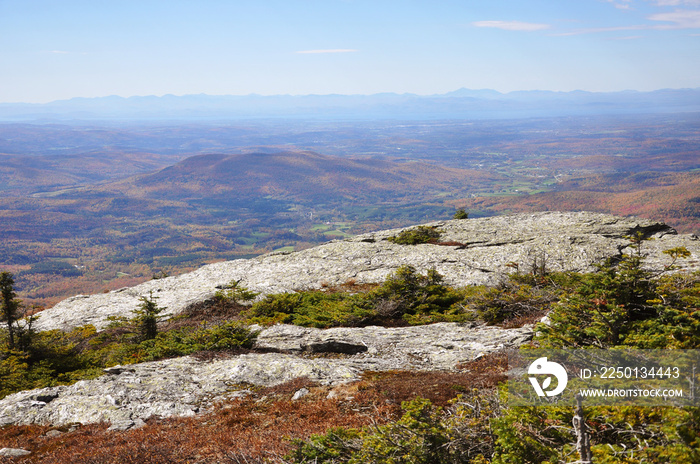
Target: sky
[(55, 50)]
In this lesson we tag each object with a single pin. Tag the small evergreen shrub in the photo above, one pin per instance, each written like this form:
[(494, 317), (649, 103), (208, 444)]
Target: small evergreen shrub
[(461, 214), (625, 304), (417, 299), (147, 317), (416, 235), (311, 309), (424, 434), (59, 358), (235, 293), (405, 298)]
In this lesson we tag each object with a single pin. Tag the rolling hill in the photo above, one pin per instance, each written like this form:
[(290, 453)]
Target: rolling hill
[(211, 207), (298, 176)]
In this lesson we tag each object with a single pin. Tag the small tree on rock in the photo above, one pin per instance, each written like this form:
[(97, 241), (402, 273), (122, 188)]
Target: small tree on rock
[(461, 214), (147, 317), (9, 306), (235, 293)]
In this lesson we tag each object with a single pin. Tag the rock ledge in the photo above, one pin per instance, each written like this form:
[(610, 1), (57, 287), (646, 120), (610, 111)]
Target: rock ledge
[(570, 241), (128, 395)]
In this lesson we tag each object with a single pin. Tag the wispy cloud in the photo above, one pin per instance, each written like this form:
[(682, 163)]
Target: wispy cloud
[(627, 4), (629, 37), (622, 4), (512, 25), (679, 19), (63, 52), (333, 50), (597, 30), (676, 2)]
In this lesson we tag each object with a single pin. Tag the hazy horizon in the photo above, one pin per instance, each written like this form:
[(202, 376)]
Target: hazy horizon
[(203, 94)]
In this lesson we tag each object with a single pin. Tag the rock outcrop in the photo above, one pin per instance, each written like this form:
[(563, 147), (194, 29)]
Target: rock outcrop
[(480, 250), (439, 346), (127, 395), (474, 251)]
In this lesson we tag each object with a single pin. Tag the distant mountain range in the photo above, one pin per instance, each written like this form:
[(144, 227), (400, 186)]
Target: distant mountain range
[(462, 103)]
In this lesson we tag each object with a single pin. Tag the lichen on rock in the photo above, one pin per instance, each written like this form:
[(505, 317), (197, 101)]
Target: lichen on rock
[(569, 241)]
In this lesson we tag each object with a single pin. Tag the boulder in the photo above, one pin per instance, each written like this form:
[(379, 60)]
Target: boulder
[(14, 452), (439, 346)]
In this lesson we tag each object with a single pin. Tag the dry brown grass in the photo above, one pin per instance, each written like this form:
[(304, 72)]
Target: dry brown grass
[(249, 430), (519, 321), (395, 387), (257, 429), (210, 312), (244, 429)]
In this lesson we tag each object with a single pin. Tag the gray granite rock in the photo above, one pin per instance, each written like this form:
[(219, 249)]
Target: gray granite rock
[(299, 394), (127, 395), (14, 452), (570, 241), (439, 346)]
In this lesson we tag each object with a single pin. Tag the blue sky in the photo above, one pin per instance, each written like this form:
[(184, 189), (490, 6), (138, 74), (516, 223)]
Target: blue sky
[(52, 50)]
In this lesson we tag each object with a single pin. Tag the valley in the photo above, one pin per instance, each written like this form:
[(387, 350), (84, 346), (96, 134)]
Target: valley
[(91, 207)]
